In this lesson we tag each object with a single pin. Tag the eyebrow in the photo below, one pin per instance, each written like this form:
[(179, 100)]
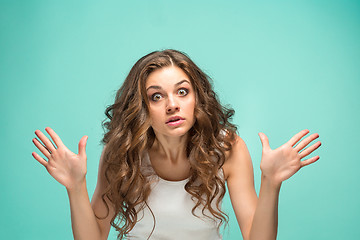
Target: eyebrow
[(176, 84)]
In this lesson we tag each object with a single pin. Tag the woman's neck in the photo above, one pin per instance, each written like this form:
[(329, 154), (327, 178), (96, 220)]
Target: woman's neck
[(171, 149)]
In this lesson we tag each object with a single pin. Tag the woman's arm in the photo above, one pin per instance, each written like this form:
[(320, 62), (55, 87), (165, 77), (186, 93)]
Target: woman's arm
[(258, 218), (97, 203), (265, 220), (69, 169), (84, 223), (240, 182)]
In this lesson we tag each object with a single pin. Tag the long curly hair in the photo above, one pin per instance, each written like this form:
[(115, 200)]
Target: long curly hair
[(129, 135)]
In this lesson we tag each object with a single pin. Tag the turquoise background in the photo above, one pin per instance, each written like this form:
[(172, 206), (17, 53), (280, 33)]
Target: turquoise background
[(282, 65)]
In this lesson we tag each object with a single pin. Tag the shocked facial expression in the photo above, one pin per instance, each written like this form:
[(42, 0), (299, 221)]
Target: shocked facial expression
[(171, 101)]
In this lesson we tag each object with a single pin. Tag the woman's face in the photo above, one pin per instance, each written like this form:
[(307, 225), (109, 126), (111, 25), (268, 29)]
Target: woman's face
[(171, 101)]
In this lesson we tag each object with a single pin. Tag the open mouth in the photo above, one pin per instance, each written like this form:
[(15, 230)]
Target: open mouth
[(174, 120)]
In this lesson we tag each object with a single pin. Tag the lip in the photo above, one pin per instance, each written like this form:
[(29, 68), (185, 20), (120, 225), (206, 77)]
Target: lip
[(175, 120), (176, 123)]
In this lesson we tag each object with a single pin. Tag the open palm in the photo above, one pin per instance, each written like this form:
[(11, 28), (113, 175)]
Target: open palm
[(64, 166), (283, 162)]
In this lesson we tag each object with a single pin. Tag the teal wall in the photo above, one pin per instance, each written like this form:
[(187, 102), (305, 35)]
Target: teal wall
[(282, 65)]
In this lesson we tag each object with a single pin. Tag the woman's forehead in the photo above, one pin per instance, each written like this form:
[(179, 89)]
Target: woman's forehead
[(167, 76)]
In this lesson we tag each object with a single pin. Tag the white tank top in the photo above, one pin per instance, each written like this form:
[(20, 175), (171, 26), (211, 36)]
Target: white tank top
[(172, 205)]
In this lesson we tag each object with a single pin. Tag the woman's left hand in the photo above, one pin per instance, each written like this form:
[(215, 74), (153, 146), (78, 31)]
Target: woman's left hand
[(280, 164)]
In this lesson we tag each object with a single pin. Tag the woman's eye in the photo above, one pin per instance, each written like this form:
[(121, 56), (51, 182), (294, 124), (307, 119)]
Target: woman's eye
[(156, 97), (183, 92)]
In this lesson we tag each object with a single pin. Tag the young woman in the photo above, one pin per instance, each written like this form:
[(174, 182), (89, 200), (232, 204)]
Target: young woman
[(168, 151)]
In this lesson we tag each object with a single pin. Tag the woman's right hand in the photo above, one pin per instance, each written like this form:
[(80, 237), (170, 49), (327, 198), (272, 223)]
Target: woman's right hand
[(64, 166)]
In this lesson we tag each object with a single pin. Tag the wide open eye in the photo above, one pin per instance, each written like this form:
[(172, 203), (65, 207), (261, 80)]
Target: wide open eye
[(183, 92), (156, 97)]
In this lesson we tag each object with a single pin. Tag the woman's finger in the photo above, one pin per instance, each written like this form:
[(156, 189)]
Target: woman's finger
[(39, 159), (306, 141), (48, 144), (54, 137), (42, 148), (309, 150), (309, 161), (264, 141), (297, 137)]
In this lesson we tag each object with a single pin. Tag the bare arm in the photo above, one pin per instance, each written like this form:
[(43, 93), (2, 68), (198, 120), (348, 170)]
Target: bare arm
[(83, 221), (85, 225), (69, 169), (97, 203), (240, 182), (265, 220), (258, 218)]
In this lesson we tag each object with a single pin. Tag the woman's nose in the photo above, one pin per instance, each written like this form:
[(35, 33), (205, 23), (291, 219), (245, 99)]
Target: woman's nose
[(172, 105)]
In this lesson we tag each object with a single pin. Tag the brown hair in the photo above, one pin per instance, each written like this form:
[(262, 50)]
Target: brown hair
[(129, 135)]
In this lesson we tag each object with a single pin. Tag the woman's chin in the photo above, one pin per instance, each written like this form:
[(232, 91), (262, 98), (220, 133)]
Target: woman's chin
[(174, 133)]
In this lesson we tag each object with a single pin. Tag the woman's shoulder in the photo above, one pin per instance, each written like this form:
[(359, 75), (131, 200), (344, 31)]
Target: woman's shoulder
[(237, 156), (237, 145)]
